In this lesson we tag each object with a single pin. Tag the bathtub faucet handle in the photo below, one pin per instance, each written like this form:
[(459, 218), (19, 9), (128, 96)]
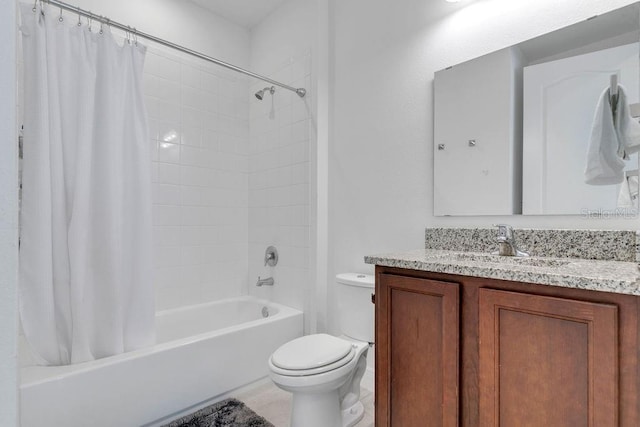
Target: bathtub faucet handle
[(271, 256), (262, 282)]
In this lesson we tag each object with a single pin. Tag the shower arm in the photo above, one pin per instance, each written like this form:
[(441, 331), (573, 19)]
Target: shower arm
[(76, 10)]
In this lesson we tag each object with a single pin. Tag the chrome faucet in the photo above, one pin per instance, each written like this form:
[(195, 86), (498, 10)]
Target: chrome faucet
[(271, 256), (265, 282), (507, 242)]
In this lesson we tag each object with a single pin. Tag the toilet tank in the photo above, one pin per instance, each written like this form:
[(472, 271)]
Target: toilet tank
[(355, 309)]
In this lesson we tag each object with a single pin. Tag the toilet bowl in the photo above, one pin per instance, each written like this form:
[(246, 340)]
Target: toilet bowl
[(323, 372)]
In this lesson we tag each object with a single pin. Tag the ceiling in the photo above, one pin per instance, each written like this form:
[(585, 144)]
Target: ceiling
[(246, 13)]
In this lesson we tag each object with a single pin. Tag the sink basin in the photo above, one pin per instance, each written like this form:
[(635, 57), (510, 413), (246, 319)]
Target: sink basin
[(497, 259)]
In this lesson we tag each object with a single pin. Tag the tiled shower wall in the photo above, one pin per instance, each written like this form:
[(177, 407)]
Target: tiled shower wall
[(279, 183), (199, 130)]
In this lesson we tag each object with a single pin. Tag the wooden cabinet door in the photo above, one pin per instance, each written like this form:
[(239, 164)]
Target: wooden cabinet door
[(416, 371), (547, 361)]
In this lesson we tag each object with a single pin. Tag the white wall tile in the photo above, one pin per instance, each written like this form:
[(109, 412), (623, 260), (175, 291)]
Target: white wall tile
[(169, 131), (191, 136), (192, 156), (191, 117), (198, 188), (191, 255), (161, 66), (168, 153), (190, 76), (162, 110), (211, 103), (191, 195), (161, 88), (209, 138), (166, 215), (167, 256), (300, 131), (168, 173), (209, 82), (154, 172), (192, 97), (167, 277), (192, 235), (278, 182), (166, 235), (167, 194), (192, 175)]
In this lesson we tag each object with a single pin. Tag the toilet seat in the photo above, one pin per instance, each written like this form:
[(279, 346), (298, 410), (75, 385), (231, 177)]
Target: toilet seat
[(311, 355)]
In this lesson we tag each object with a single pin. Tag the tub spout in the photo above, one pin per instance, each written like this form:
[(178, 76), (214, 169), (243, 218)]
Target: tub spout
[(262, 282)]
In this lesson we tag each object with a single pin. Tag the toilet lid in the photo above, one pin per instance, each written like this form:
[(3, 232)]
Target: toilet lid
[(311, 351)]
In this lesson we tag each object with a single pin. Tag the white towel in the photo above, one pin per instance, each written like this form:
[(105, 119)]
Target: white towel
[(627, 198), (613, 136), (627, 128)]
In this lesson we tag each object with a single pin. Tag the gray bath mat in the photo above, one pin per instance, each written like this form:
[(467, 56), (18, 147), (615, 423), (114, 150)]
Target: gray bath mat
[(230, 412)]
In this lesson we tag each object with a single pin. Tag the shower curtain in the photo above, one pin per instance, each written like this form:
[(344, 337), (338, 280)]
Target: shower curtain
[(85, 247)]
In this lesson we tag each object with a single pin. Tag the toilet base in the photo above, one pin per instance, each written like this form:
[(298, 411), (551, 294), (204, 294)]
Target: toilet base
[(322, 410), (316, 410), (351, 416)]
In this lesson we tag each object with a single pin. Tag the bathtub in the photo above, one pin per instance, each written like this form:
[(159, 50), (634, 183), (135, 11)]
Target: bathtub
[(202, 351)]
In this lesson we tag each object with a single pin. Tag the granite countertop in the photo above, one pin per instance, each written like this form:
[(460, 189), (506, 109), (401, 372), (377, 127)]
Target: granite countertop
[(621, 277)]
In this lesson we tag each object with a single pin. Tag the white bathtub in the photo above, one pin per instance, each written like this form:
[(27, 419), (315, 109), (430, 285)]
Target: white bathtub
[(203, 351)]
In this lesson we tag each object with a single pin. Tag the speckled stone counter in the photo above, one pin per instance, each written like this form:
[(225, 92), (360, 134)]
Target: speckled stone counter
[(621, 277), (611, 245)]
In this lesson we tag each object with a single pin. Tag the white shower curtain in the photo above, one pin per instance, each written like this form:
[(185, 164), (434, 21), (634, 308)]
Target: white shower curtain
[(85, 251)]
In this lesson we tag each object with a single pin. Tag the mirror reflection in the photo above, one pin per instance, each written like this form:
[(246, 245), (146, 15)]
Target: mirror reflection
[(548, 126)]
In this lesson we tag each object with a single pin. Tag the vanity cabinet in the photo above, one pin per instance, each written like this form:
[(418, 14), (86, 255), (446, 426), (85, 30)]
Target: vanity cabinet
[(417, 326), (464, 351), (546, 361)]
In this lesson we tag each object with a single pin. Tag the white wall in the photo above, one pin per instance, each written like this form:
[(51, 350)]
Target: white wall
[(8, 218), (380, 164), (281, 130)]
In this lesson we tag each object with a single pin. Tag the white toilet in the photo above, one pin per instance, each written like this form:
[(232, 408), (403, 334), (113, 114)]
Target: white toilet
[(324, 372)]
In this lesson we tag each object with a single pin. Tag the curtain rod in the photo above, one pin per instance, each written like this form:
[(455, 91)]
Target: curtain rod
[(300, 91)]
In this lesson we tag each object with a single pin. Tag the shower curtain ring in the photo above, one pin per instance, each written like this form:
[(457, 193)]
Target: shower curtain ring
[(101, 25), (90, 20), (60, 18), (79, 18), (135, 36), (35, 6)]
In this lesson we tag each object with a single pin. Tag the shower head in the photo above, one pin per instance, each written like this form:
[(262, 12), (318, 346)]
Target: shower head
[(260, 93)]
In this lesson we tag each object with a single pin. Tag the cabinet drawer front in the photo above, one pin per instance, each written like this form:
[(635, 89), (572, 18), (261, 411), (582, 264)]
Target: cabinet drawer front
[(417, 324), (547, 361)]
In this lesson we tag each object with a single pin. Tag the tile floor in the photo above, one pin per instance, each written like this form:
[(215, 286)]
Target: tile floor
[(275, 405)]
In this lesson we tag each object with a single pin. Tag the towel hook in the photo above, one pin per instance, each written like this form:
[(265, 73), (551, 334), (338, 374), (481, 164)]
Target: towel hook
[(613, 87), (613, 92)]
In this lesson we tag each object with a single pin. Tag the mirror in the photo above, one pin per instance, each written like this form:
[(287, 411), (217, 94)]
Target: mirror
[(545, 127)]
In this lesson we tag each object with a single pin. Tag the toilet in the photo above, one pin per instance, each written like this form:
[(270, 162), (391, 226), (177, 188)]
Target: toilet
[(323, 372)]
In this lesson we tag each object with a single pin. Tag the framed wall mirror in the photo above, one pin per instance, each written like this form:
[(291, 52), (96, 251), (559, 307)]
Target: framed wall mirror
[(545, 127)]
